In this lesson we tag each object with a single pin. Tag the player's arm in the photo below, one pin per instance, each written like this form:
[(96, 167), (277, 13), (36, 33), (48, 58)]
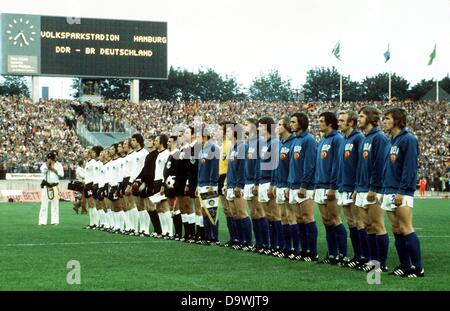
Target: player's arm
[(409, 169)]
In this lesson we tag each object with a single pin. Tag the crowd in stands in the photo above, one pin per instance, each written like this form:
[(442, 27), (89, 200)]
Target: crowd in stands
[(28, 130)]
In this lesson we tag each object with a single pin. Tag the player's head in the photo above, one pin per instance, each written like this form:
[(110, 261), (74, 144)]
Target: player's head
[(238, 132), (113, 150), (151, 141), (161, 142), (126, 145), (299, 122), (251, 127), (368, 116), (120, 150), (87, 154), (395, 118), (348, 120), (327, 122), (137, 141), (172, 142), (283, 126), (97, 151), (265, 126), (81, 163), (223, 126)]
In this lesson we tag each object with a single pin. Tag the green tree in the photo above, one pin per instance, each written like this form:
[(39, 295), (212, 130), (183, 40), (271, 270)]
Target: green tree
[(271, 88), (445, 84), (421, 88), (14, 85), (322, 84), (377, 87)]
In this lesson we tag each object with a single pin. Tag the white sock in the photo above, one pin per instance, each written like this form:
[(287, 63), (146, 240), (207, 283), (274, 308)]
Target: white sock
[(162, 220), (127, 220), (135, 219), (169, 222), (121, 220), (191, 218), (142, 221), (184, 218), (91, 216), (199, 221)]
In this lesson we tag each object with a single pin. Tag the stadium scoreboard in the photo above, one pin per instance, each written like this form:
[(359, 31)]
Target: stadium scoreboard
[(35, 45)]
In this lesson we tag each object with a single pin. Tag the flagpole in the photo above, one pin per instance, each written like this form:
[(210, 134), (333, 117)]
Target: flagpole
[(340, 89), (390, 87)]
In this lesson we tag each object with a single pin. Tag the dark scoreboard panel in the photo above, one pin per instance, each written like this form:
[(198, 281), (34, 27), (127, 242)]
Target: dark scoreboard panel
[(84, 47)]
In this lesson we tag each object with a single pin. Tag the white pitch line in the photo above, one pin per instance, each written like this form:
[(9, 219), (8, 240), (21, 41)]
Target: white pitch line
[(75, 243)]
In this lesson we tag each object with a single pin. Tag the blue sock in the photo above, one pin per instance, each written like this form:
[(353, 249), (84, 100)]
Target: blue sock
[(264, 224), (402, 252), (354, 237), (413, 246), (240, 231), (295, 238), (215, 230), (311, 234), (257, 231), (272, 242), (208, 229), (247, 229), (287, 237), (383, 247), (363, 241), (331, 241), (372, 239), (303, 236), (231, 228), (280, 235), (341, 237)]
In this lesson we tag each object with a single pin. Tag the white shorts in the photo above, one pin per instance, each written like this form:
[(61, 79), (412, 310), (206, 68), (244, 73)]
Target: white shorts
[(361, 199), (293, 196), (281, 196), (320, 196), (230, 194), (248, 192), (388, 203), (262, 193), (344, 198)]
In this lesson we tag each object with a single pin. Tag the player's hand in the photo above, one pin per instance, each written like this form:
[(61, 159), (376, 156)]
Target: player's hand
[(371, 196), (331, 195), (255, 190), (286, 194), (302, 193), (271, 192), (237, 192), (398, 200)]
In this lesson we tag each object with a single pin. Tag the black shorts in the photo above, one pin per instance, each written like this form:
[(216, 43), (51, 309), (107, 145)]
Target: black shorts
[(221, 183), (88, 190), (180, 185)]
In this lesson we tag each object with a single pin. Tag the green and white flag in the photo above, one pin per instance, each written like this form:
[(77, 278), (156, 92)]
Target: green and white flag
[(432, 56), (337, 51)]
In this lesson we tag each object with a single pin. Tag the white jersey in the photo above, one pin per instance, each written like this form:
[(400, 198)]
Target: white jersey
[(161, 161), (121, 169), (114, 172), (80, 174), (138, 163), (128, 162), (89, 170), (96, 172), (102, 174), (50, 176)]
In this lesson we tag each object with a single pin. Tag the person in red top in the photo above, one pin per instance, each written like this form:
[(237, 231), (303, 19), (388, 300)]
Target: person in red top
[(422, 185)]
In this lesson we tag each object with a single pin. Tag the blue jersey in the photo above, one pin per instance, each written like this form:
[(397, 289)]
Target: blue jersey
[(371, 161), (348, 157), (208, 165), (268, 161), (252, 162), (282, 171), (303, 162), (401, 162), (236, 166), (327, 161)]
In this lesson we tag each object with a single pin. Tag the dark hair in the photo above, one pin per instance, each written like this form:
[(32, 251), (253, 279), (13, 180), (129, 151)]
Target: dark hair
[(163, 139), (399, 115), (116, 147), (352, 116), (330, 119), (372, 113), (192, 130), (97, 150), (302, 120), (139, 139), (174, 137), (252, 120), (81, 162), (268, 121), (286, 124), (224, 124)]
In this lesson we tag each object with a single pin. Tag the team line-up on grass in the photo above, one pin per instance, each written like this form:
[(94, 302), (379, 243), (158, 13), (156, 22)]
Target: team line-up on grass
[(278, 172)]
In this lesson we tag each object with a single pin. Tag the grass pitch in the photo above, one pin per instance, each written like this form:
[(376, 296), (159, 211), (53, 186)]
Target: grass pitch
[(35, 257)]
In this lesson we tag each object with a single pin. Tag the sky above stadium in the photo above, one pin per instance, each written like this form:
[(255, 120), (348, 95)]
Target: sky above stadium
[(251, 37)]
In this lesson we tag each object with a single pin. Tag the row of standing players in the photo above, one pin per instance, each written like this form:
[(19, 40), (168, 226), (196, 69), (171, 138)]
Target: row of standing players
[(278, 171)]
